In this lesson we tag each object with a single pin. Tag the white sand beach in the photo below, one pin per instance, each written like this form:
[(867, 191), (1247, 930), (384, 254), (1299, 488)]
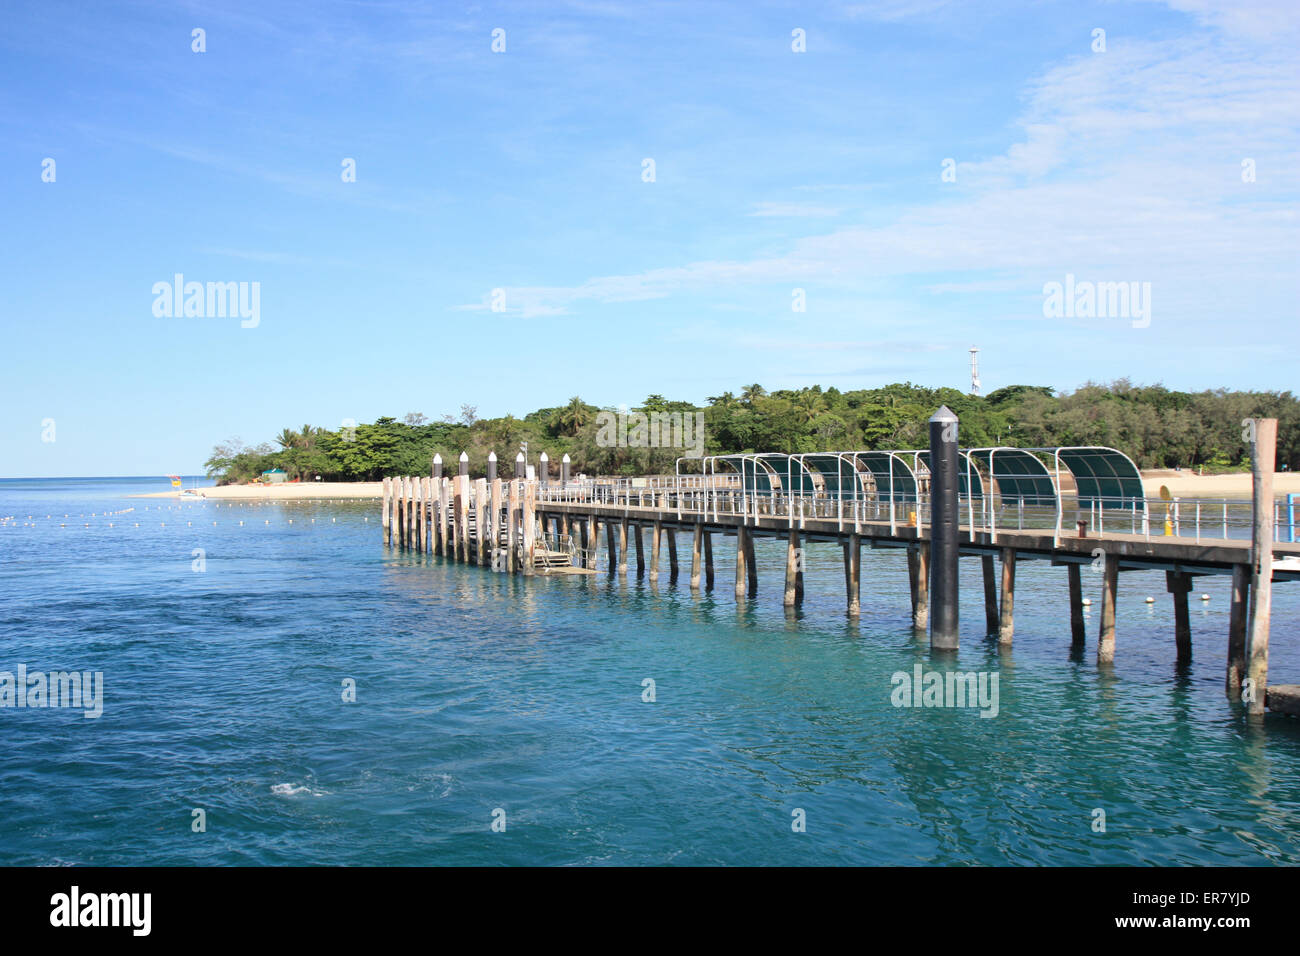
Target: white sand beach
[(1188, 484), (284, 492)]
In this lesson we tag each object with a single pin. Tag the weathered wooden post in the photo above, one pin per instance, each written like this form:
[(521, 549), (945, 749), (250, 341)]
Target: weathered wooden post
[(462, 479), (793, 571), (482, 526), (853, 574), (444, 518), (395, 518), (622, 547), (751, 565), (593, 541), (990, 594), (612, 548), (742, 586), (708, 560), (672, 556), (403, 525), (1077, 630), (512, 528), (1238, 614), (640, 550), (1109, 587), (1263, 455), (384, 527), (697, 548), (945, 530), (494, 525), (1178, 584), (918, 572), (1007, 612), (656, 532), (426, 514), (417, 497)]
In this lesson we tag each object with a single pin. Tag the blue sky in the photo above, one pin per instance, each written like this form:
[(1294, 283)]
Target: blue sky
[(522, 171)]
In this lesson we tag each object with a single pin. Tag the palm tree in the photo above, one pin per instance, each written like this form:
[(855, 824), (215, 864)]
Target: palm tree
[(574, 416), (752, 393), (288, 438), (810, 405), (725, 401)]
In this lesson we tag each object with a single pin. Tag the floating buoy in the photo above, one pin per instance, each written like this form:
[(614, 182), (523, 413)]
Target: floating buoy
[(1151, 600), (1205, 597), (1087, 602)]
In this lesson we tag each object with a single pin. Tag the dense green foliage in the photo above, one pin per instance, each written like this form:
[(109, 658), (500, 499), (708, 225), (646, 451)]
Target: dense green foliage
[(1155, 426)]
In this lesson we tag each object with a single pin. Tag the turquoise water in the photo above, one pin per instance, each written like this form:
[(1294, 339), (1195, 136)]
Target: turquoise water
[(223, 690)]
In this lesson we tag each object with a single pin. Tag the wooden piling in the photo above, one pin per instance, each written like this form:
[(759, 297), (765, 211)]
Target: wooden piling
[(530, 527), (852, 574), (672, 556), (708, 560), (593, 541), (1006, 605), (1237, 623), (697, 554), (427, 514), (793, 570), (406, 511), (918, 567), (656, 532), (751, 565), (417, 500), (1178, 585), (1007, 609), (494, 521), (395, 519), (622, 547), (1109, 587), (611, 547), (444, 517), (742, 586), (482, 522), (512, 528), (1077, 630), (640, 552), (990, 595), (384, 527), (1263, 458)]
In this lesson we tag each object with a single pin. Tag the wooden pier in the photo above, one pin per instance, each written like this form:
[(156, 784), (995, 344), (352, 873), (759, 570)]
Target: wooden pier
[(541, 526)]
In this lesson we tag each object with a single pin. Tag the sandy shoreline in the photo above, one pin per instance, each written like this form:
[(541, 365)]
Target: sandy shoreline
[(1187, 484), (284, 492), (1181, 484)]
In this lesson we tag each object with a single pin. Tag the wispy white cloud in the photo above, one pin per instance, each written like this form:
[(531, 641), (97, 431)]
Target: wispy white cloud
[(794, 210), (1127, 167)]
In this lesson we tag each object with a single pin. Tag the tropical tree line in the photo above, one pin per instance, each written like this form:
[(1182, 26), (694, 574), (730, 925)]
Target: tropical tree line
[(1156, 426)]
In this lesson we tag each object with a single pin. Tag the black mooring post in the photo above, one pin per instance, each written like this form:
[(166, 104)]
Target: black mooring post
[(464, 464), (564, 472), (492, 467), (944, 530), (437, 468)]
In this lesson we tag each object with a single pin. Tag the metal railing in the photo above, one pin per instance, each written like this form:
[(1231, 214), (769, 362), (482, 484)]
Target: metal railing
[(1195, 518)]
